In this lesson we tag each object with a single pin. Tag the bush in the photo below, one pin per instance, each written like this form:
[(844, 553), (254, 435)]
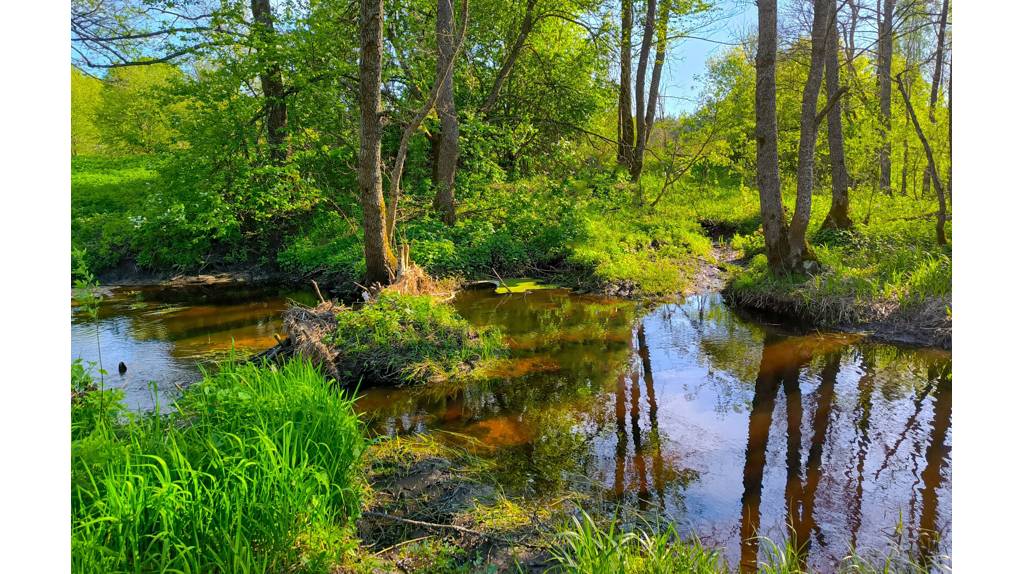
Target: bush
[(254, 471)]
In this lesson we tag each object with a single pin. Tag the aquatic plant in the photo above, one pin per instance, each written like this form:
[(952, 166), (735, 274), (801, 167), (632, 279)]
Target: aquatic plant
[(586, 548)]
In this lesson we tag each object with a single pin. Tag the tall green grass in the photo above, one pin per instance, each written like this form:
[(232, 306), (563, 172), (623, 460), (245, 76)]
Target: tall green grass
[(255, 470), (584, 547)]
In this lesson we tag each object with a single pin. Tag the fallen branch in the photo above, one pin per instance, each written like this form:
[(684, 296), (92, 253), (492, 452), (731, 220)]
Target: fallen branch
[(500, 280)]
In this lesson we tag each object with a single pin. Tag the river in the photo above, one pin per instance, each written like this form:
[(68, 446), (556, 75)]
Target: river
[(724, 423)]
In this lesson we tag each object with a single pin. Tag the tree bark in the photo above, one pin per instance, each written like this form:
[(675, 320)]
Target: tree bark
[(274, 104), (380, 261), (625, 148), (510, 61), (839, 213), (937, 76), (637, 165), (659, 63), (940, 223), (444, 73), (766, 132), (798, 248), (939, 57), (885, 36), (448, 149)]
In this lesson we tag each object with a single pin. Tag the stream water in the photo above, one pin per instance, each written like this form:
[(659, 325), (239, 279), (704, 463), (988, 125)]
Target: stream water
[(725, 424)]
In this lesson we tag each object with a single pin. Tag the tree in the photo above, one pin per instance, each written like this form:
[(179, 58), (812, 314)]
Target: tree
[(116, 34), (767, 136), (274, 102), (798, 248), (839, 213), (380, 260), (134, 116), (885, 41), (443, 78), (506, 68), (940, 46), (448, 144), (940, 194), (625, 131)]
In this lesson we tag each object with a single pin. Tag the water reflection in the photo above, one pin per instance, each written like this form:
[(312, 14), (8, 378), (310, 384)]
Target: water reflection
[(728, 425)]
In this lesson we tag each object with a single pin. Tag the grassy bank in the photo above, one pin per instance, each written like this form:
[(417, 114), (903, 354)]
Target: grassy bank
[(888, 275), (587, 232)]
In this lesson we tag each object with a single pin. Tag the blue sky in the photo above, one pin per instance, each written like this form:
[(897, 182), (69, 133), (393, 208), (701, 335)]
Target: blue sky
[(688, 56)]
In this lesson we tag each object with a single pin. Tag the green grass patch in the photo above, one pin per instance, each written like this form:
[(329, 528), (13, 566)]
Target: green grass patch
[(255, 470), (408, 338)]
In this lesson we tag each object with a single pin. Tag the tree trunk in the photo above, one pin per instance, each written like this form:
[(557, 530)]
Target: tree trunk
[(444, 73), (637, 165), (766, 133), (448, 150), (949, 164), (839, 213), (940, 224), (798, 248), (275, 107), (625, 149), (380, 261), (510, 61), (937, 75), (939, 57), (659, 63), (885, 34)]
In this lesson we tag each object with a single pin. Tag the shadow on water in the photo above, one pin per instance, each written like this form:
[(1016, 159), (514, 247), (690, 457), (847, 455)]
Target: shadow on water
[(729, 425)]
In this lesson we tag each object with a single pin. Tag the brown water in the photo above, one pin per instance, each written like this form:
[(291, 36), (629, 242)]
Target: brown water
[(164, 335), (726, 425)]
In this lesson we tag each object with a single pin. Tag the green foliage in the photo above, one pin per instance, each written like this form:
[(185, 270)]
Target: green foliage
[(85, 101), (254, 471), (136, 113), (108, 196), (586, 548), (408, 338)]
